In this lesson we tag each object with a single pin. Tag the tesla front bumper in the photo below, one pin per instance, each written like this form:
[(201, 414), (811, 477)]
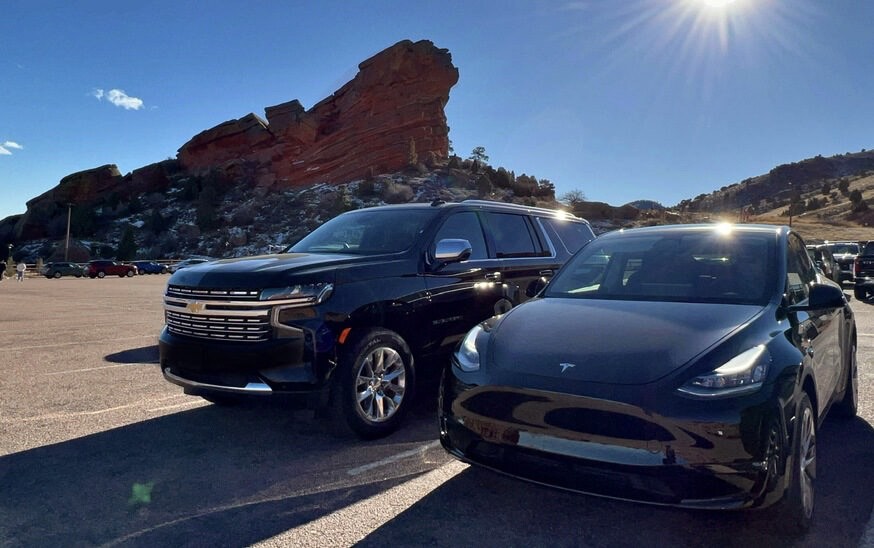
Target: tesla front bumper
[(733, 458)]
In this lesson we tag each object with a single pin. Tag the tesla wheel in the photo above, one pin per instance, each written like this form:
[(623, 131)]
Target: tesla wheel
[(860, 294), (101, 274), (797, 506), (373, 386), (848, 407), (56, 275), (129, 273)]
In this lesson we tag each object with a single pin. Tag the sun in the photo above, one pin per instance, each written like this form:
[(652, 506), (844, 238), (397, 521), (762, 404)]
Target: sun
[(716, 3)]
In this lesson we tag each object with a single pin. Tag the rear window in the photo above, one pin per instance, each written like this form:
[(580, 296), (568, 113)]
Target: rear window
[(843, 249), (572, 235)]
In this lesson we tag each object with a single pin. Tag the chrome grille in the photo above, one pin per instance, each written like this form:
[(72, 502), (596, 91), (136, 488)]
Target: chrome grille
[(217, 314), (212, 294)]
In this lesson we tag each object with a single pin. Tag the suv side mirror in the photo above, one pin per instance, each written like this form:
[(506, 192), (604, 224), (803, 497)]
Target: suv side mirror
[(452, 250)]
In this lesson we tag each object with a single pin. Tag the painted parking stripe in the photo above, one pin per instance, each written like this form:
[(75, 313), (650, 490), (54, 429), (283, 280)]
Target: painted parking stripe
[(392, 459)]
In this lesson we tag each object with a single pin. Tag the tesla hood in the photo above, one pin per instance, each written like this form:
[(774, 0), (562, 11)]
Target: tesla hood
[(605, 341)]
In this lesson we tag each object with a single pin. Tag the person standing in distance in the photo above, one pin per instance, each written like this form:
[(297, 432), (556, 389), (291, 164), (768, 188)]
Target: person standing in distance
[(19, 271)]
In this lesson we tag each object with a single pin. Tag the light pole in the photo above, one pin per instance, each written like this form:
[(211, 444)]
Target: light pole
[(791, 203), (67, 245), (9, 260)]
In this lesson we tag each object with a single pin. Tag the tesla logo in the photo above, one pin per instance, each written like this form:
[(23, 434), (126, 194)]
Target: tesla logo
[(566, 366), (195, 307)]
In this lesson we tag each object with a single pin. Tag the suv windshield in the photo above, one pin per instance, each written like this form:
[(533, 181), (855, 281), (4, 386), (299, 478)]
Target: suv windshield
[(691, 267), (843, 249), (366, 232)]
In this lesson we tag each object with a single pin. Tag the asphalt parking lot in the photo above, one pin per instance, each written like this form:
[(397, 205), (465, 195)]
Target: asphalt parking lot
[(96, 449)]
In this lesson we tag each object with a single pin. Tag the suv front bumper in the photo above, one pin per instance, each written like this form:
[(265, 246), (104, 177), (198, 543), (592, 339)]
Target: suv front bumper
[(273, 367)]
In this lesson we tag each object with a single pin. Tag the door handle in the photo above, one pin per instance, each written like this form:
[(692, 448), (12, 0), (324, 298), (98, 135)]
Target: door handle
[(493, 276), (546, 273)]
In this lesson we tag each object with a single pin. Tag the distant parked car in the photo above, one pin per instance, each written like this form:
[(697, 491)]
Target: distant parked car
[(103, 268), (863, 271), (845, 254), (151, 267), (824, 260), (186, 263), (56, 270)]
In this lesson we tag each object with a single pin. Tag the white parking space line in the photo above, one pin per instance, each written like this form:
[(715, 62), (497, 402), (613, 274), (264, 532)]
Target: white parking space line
[(74, 414), (394, 458), (93, 368), (193, 403), (76, 343)]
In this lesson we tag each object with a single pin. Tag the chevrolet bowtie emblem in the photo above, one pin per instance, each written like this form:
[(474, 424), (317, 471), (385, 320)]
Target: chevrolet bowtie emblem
[(195, 307), (566, 366)]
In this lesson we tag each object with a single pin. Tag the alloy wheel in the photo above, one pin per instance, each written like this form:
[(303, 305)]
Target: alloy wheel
[(380, 384), (807, 461)]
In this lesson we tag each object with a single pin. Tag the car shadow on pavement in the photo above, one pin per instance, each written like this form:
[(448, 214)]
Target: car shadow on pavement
[(145, 354), (486, 508), (208, 476)]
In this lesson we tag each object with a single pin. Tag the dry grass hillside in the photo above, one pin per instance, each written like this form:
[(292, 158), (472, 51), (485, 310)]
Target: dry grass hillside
[(834, 221)]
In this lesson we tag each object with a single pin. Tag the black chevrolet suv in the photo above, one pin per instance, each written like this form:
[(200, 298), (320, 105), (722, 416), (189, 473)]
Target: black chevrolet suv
[(342, 319)]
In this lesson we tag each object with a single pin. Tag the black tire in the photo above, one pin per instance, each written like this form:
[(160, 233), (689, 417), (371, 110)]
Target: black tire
[(101, 274), (373, 386), (848, 407), (56, 275), (795, 511), (48, 277), (78, 275), (859, 293)]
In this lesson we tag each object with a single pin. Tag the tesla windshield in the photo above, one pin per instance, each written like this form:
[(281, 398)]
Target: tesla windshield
[(712, 266)]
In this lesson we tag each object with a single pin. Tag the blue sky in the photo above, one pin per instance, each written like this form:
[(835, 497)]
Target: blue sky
[(621, 99)]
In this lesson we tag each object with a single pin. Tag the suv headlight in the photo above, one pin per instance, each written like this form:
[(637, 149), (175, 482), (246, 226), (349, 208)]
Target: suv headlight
[(467, 356), (742, 374), (298, 295)]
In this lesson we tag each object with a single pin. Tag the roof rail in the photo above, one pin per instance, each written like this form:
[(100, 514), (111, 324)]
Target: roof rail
[(542, 210)]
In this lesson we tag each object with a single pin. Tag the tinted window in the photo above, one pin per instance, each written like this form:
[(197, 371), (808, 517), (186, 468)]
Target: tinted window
[(844, 249), (366, 232), (513, 235), (699, 266), (465, 226), (800, 271), (569, 234)]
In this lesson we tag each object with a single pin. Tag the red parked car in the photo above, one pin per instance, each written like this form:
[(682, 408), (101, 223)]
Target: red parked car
[(102, 268)]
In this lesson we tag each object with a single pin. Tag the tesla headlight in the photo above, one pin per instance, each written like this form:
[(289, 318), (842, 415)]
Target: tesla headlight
[(467, 356), (300, 294), (742, 374)]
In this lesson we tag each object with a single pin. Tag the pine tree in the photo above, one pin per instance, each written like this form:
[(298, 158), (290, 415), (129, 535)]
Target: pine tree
[(127, 247)]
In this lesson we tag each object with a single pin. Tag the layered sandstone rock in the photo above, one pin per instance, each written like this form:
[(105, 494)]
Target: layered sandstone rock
[(393, 106)]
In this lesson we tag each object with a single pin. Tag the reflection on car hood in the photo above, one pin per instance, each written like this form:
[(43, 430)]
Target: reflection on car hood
[(259, 271), (605, 341)]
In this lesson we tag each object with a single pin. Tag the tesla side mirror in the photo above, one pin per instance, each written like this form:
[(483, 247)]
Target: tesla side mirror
[(821, 296), (452, 250), (536, 286)]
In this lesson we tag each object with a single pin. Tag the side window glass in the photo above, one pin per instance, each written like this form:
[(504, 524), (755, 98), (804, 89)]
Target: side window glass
[(465, 226), (799, 271), (568, 234), (512, 234)]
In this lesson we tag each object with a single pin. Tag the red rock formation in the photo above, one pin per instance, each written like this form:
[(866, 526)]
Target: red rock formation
[(365, 127)]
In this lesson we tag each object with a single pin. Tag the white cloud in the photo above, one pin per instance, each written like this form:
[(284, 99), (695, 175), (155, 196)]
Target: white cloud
[(119, 98), (7, 145)]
